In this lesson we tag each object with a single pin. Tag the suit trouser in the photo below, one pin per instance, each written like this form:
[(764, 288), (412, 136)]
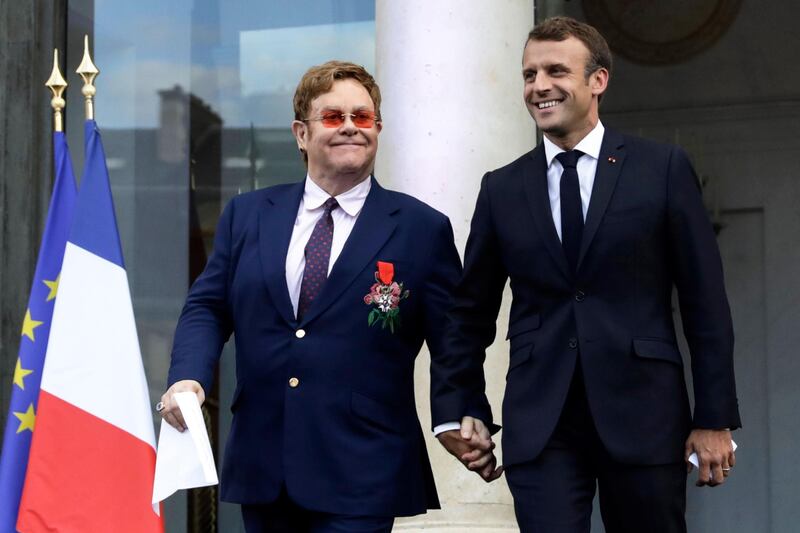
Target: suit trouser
[(554, 492), (285, 516)]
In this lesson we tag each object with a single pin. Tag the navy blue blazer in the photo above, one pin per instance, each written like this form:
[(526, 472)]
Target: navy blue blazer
[(346, 439), (646, 232)]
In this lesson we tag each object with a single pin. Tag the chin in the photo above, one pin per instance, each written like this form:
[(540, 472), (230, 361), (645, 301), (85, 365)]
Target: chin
[(349, 167), (351, 161), (556, 130), (546, 120)]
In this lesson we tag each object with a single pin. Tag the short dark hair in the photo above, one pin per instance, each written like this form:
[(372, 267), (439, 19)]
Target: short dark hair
[(560, 28)]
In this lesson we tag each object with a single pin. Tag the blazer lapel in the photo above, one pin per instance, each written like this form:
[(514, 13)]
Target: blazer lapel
[(609, 164), (539, 201), (373, 228), (275, 225)]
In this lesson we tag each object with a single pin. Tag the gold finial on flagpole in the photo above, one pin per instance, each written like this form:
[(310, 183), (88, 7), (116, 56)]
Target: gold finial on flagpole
[(88, 71), (56, 83)]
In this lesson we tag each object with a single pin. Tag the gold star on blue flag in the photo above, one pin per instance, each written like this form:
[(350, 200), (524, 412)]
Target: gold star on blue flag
[(26, 419), (33, 340), (20, 374)]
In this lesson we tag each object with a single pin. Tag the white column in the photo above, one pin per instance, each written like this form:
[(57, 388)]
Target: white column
[(450, 75)]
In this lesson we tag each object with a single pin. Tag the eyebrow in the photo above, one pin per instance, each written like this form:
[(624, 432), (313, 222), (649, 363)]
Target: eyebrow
[(549, 66), (338, 108)]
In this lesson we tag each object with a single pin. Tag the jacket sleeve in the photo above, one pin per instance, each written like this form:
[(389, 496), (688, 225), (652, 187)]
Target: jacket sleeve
[(458, 384), (706, 316), (205, 323)]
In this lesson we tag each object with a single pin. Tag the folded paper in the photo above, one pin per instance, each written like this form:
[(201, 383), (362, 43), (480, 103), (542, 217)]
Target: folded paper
[(184, 460)]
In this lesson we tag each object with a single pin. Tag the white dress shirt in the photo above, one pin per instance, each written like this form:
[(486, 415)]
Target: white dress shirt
[(587, 166), (309, 212)]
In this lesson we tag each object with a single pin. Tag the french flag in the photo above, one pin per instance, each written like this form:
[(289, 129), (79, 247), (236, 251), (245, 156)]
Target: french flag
[(92, 457)]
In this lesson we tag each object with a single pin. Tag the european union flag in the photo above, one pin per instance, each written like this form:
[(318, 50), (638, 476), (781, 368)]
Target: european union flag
[(35, 332), (92, 460)]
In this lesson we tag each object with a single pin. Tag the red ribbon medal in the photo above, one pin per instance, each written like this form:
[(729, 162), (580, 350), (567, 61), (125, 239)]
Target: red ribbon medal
[(385, 272), (384, 296)]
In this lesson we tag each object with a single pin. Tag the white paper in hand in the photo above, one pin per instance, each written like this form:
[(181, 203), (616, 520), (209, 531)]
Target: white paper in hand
[(696, 463), (184, 460)]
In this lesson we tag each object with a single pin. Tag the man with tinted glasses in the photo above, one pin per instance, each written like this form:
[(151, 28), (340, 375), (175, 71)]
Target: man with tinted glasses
[(330, 286), (593, 228)]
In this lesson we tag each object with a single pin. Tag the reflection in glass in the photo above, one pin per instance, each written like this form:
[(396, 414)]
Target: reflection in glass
[(195, 104)]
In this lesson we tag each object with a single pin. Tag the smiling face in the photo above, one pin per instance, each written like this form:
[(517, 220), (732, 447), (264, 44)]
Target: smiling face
[(559, 96), (344, 153)]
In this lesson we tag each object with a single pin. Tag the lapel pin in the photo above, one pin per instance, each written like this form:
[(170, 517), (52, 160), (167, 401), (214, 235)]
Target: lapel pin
[(612, 159)]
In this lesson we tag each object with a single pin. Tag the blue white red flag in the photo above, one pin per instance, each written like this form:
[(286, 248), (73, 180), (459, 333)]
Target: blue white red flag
[(92, 458)]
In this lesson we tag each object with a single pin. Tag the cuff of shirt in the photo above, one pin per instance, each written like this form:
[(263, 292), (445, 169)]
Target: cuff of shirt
[(447, 426)]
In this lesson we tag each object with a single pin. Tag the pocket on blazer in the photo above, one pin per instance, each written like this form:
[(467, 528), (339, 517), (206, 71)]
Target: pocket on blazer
[(627, 214), (662, 349), (528, 323), (403, 268), (384, 416), (519, 357)]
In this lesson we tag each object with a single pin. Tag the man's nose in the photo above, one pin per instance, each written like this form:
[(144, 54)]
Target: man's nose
[(348, 126), (542, 85)]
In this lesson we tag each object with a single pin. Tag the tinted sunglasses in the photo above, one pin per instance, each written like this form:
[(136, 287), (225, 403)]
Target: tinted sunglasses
[(335, 119)]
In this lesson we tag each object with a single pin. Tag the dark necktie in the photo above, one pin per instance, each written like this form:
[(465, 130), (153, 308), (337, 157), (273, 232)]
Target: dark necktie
[(571, 210), (318, 255)]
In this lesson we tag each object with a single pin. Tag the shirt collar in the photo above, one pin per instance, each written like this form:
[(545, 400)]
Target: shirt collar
[(351, 201), (589, 145)]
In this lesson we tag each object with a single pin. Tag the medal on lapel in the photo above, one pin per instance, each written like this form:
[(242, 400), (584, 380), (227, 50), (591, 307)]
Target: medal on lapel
[(385, 296)]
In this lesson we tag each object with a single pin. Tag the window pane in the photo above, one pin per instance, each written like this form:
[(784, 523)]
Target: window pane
[(194, 101)]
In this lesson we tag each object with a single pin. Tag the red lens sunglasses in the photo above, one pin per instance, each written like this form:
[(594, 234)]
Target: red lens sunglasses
[(335, 119)]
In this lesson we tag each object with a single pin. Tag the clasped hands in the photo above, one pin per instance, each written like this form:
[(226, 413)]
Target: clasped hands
[(472, 445)]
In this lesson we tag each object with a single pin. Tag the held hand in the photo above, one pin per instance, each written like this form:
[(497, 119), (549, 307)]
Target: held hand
[(486, 467), (170, 410), (472, 445), (715, 454), (480, 459), (472, 437)]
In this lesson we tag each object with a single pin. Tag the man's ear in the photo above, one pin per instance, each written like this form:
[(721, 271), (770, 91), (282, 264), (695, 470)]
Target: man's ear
[(598, 81), (300, 132)]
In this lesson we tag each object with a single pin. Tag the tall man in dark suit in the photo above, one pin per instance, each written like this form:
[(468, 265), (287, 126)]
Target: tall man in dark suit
[(593, 228), (330, 286)]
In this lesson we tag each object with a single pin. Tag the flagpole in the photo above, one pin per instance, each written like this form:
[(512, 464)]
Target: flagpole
[(92, 457), (88, 71), (56, 83), (23, 410)]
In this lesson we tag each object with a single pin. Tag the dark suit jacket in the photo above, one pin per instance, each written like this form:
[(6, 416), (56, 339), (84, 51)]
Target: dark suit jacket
[(346, 439), (646, 231)]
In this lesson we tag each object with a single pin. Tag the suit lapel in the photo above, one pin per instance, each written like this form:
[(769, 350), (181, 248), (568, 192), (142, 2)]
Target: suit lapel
[(609, 164), (276, 222), (539, 201), (373, 228)]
